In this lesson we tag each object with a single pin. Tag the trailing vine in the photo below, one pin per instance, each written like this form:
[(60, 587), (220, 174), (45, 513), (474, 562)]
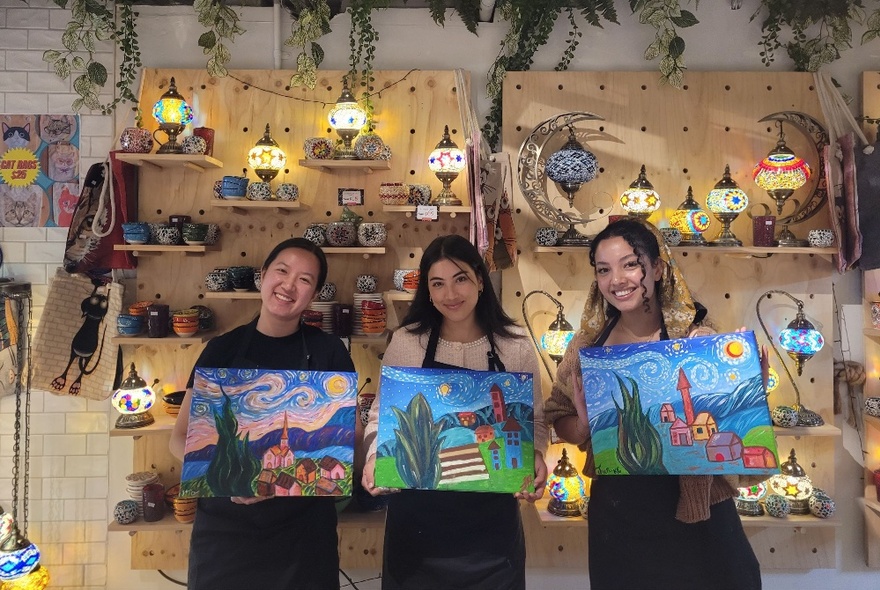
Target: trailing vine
[(666, 16), (223, 24), (362, 38), (311, 21), (93, 21)]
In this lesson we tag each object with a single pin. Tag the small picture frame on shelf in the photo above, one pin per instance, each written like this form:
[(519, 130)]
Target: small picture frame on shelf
[(351, 196)]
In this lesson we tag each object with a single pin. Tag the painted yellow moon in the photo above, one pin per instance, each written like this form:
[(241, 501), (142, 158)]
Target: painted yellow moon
[(734, 349), (444, 389), (336, 385)]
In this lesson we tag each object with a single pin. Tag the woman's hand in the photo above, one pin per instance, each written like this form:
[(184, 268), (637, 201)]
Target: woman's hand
[(368, 481), (540, 481), (580, 404), (247, 501)]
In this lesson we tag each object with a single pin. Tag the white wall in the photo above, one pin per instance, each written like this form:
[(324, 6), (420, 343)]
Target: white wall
[(76, 473)]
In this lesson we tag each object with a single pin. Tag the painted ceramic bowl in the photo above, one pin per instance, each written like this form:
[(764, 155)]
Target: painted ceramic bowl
[(233, 187), (317, 233), (259, 191), (195, 233), (419, 194), (872, 406), (371, 234), (136, 140), (821, 238), (327, 292), (218, 280), (167, 235), (394, 193), (784, 416), (125, 511), (287, 191), (546, 236), (318, 148), (194, 145), (213, 234), (341, 233), (368, 146), (136, 232), (777, 506), (366, 283), (821, 505)]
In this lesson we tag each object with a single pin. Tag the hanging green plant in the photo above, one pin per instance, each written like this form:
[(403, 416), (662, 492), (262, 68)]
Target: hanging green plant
[(91, 22), (223, 24), (666, 16), (311, 21), (362, 38)]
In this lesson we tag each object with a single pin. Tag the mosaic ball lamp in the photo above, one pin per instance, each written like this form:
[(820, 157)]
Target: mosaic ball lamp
[(347, 118), (571, 166), (691, 221), (793, 484), (801, 340), (266, 158), (566, 489), (18, 557), (446, 161), (555, 340), (726, 201), (133, 400), (37, 579), (173, 115), (748, 500), (640, 199)]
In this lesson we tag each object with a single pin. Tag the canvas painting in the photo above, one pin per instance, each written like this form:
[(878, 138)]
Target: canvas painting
[(256, 432), (453, 429), (685, 407)]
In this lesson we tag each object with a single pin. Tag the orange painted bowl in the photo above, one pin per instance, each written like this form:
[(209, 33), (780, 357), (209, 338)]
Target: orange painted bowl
[(194, 321), (186, 313), (185, 331), (365, 305), (139, 308), (171, 495)]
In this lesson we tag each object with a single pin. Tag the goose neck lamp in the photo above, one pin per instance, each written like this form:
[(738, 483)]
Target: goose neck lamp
[(555, 340), (801, 340)]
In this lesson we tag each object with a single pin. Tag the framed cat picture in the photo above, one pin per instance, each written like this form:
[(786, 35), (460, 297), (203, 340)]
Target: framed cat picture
[(445, 429), (694, 406), (256, 432)]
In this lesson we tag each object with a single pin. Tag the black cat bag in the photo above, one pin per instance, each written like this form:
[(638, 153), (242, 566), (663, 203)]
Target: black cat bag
[(72, 352), (106, 202)]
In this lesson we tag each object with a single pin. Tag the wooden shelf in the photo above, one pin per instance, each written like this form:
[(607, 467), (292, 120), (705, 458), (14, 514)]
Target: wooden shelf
[(379, 339), (873, 420), (148, 249), (871, 332), (410, 210), (163, 424), (365, 252), (172, 339), (232, 295), (398, 296), (197, 162), (824, 430), (547, 519), (348, 165), (244, 205), (736, 251)]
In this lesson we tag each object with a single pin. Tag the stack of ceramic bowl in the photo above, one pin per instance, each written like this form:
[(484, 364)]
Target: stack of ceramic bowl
[(134, 485), (185, 322), (373, 317), (139, 309), (371, 299), (411, 281), (241, 277), (135, 232), (185, 509), (129, 325), (328, 320), (171, 402), (313, 318)]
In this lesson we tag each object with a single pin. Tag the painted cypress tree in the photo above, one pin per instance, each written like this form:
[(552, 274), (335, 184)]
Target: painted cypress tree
[(417, 452), (639, 448), (233, 468)]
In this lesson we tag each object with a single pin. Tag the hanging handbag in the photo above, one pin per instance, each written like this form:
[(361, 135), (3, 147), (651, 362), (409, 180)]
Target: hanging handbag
[(73, 353), (108, 200)]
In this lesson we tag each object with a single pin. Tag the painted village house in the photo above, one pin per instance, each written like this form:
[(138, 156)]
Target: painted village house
[(280, 455), (306, 471), (331, 468)]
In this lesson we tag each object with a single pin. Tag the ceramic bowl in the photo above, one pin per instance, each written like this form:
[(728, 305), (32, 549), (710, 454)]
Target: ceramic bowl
[(366, 283), (233, 187), (218, 189), (394, 193), (185, 330), (213, 234), (218, 280), (258, 278), (821, 238), (242, 277), (168, 235), (546, 236), (821, 506), (872, 406), (671, 236), (397, 277), (259, 191), (125, 511), (317, 233), (194, 145), (411, 281), (136, 232), (318, 148), (139, 308), (372, 234), (419, 194), (341, 233), (195, 233), (327, 292), (287, 191)]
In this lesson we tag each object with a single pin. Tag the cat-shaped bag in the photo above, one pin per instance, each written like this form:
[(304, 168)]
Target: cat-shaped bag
[(106, 202)]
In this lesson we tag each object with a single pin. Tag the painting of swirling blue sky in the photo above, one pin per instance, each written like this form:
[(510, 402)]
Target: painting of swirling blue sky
[(688, 407)]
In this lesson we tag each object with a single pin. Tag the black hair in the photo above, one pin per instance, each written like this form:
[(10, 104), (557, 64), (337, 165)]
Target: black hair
[(308, 246), (423, 317), (644, 244)]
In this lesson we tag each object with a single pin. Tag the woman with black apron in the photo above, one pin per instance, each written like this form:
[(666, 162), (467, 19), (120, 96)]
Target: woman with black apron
[(441, 540), (278, 543), (647, 532)]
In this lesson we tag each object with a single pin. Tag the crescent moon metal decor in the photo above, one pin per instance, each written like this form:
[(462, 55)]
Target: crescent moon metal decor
[(816, 134), (530, 168)]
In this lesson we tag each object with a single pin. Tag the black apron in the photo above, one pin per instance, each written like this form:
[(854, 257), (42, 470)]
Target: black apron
[(439, 540), (281, 543), (636, 543)]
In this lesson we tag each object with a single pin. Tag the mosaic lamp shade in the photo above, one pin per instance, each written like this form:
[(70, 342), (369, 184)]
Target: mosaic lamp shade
[(133, 400), (793, 484), (748, 500), (801, 340), (555, 340), (772, 380), (173, 114), (690, 220), (640, 199), (347, 118), (18, 557), (726, 201), (446, 161), (781, 172), (571, 166), (266, 158), (566, 488), (37, 579)]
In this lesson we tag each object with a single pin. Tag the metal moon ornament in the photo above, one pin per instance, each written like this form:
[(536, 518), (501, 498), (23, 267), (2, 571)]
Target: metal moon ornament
[(571, 166)]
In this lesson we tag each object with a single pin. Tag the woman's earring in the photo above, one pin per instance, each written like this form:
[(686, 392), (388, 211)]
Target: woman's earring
[(430, 300)]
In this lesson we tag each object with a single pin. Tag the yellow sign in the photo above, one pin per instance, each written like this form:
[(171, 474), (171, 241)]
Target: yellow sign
[(19, 167)]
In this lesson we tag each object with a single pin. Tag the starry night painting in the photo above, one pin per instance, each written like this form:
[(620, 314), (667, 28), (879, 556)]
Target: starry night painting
[(692, 406), (454, 429), (256, 432)]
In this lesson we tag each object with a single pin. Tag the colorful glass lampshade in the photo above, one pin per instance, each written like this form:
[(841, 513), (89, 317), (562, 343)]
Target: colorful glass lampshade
[(18, 557), (801, 340), (640, 199), (793, 483), (566, 488), (266, 158), (571, 166), (691, 221), (37, 579), (446, 162), (726, 201), (133, 400), (347, 118), (555, 340), (772, 380), (748, 500), (173, 115)]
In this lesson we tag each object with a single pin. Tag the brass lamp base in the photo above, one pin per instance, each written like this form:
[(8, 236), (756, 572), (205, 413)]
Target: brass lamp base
[(171, 146), (799, 506), (689, 239), (572, 237), (807, 417), (560, 508), (787, 239), (446, 198), (726, 237), (748, 507), (135, 420)]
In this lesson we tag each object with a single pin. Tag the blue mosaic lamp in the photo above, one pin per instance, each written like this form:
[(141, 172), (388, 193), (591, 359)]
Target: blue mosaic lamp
[(566, 488), (446, 161), (173, 115), (37, 579), (571, 166), (726, 201), (690, 220), (18, 556), (640, 199)]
